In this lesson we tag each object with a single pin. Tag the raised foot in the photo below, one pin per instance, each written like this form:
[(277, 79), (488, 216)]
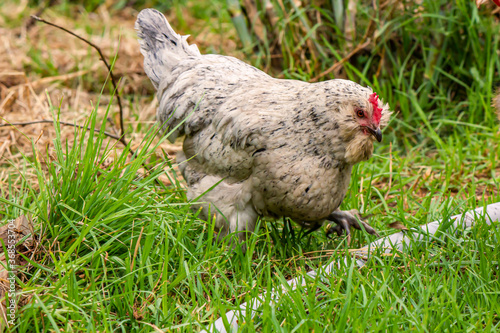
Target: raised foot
[(344, 220)]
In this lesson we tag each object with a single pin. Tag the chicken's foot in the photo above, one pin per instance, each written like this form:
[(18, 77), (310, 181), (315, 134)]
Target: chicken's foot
[(344, 220)]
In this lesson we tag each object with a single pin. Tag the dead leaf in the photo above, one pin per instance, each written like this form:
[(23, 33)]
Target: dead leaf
[(397, 225)]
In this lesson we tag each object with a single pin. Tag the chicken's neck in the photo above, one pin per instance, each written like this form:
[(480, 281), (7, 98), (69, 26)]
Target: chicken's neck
[(358, 149)]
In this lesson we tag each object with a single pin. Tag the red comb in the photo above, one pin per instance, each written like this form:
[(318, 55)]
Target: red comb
[(377, 111)]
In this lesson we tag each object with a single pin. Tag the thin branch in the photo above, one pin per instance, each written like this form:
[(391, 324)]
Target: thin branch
[(43, 121), (113, 81), (364, 43), (31, 21), (121, 138), (338, 64)]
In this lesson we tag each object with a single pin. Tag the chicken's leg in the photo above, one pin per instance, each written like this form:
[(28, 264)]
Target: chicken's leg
[(344, 220)]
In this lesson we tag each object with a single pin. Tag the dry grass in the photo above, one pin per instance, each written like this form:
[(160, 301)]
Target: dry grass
[(44, 63), (25, 91)]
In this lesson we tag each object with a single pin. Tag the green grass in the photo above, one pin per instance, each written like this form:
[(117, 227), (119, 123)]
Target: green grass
[(117, 252)]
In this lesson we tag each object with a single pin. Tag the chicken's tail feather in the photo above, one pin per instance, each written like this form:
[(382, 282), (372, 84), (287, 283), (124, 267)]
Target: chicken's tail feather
[(161, 46)]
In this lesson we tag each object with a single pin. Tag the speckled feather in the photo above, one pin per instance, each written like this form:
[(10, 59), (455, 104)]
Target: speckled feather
[(496, 103), (274, 147)]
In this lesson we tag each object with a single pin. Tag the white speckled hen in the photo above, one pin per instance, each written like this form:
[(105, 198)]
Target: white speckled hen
[(271, 147)]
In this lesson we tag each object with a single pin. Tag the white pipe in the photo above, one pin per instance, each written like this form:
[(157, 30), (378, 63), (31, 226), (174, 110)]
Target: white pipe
[(398, 241)]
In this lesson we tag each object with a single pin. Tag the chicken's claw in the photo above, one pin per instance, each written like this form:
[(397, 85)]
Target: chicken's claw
[(344, 220)]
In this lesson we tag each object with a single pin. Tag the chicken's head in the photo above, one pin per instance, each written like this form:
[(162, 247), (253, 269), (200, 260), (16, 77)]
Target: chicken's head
[(370, 124), (481, 2), (361, 118)]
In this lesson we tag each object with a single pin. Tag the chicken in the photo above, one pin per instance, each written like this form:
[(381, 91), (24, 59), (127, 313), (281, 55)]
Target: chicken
[(496, 99), (482, 2), (496, 103), (255, 146)]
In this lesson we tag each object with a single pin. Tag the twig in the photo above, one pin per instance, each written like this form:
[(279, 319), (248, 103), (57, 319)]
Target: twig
[(113, 81), (31, 22), (365, 41), (120, 138), (61, 122), (153, 326), (341, 62), (136, 249), (130, 150), (145, 303)]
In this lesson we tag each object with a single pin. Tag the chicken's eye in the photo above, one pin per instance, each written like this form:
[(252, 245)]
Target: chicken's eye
[(360, 113)]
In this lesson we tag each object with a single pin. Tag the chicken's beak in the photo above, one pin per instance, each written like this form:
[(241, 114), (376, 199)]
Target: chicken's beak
[(377, 133)]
